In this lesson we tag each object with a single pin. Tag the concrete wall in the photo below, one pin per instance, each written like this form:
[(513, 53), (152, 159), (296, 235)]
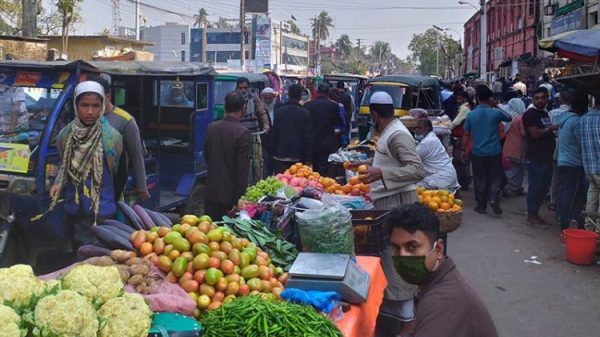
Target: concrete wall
[(167, 40), (25, 50)]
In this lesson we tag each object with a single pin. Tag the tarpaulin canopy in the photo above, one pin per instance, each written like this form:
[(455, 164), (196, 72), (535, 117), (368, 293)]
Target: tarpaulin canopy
[(580, 45)]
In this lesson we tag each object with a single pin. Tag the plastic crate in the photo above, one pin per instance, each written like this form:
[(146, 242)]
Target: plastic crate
[(370, 236)]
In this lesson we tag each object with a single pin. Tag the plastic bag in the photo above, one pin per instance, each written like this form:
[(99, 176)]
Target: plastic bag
[(326, 230), (348, 201)]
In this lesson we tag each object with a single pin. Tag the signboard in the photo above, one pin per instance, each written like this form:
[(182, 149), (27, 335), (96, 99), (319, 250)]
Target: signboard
[(256, 6), (498, 55), (35, 79), (14, 157), (567, 22), (263, 41)]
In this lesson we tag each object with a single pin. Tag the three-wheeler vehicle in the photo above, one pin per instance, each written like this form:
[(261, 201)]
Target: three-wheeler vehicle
[(172, 131)]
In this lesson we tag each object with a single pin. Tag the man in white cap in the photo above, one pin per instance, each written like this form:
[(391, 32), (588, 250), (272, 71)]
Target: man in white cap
[(393, 175), (268, 96), (90, 150)]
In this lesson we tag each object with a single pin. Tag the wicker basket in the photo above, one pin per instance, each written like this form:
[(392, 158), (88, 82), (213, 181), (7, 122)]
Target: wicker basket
[(449, 221)]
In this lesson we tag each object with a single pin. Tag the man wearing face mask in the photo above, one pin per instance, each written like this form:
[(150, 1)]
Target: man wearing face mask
[(440, 172), (393, 174), (446, 304)]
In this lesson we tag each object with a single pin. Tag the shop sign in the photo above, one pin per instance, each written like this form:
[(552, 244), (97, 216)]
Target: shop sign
[(567, 22), (14, 157)]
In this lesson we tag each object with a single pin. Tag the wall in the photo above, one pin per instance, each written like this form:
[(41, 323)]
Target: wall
[(84, 47), (25, 50), (168, 42)]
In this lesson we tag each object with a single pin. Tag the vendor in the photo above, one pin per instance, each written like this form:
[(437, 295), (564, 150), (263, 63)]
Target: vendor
[(446, 304), (440, 172), (90, 150), (393, 174)]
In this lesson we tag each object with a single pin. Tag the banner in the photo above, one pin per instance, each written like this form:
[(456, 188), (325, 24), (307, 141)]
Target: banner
[(14, 157), (263, 40)]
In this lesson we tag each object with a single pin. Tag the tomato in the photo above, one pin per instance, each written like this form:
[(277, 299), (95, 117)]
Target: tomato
[(199, 276), (171, 236), (190, 286), (232, 288), (213, 262), (192, 220), (212, 276), (207, 290), (199, 248), (200, 261), (146, 248), (214, 305), (221, 284), (204, 226), (228, 299), (163, 231), (215, 235), (185, 277), (234, 256), (181, 244), (206, 218), (179, 266), (219, 296), (250, 272), (244, 289), (244, 259), (226, 247), (159, 246), (255, 284), (227, 267), (164, 263), (203, 301)]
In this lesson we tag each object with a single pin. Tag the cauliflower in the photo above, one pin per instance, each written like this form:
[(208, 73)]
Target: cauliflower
[(18, 284), (99, 284), (10, 322), (65, 314), (125, 316)]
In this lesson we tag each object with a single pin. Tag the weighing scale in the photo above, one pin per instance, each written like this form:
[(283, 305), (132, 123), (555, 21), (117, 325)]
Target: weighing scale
[(330, 272)]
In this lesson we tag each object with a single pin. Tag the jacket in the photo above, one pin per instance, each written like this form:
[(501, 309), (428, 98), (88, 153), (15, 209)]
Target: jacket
[(292, 134), (569, 143), (227, 155), (514, 146), (325, 116)]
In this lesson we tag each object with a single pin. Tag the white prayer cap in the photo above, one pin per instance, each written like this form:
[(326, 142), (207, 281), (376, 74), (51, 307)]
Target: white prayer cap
[(381, 97)]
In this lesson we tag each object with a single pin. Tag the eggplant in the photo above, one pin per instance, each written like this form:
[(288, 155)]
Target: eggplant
[(120, 225), (158, 219), (111, 238), (146, 220), (87, 251), (117, 230), (132, 218)]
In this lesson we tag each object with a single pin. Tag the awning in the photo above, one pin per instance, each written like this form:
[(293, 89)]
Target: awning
[(581, 45)]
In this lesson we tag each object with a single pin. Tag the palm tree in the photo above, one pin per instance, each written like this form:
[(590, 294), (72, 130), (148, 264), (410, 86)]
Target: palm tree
[(320, 31), (344, 44), (380, 51), (201, 19), (223, 23)]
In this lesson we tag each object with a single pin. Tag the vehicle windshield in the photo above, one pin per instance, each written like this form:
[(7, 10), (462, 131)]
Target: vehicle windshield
[(223, 88), (396, 92)]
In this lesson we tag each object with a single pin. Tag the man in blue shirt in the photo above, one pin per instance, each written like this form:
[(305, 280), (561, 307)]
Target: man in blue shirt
[(482, 131), (589, 131)]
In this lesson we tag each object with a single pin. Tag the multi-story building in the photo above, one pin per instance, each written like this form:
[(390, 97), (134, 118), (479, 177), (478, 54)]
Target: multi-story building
[(562, 16), (171, 41), (511, 38), (222, 46), (289, 51)]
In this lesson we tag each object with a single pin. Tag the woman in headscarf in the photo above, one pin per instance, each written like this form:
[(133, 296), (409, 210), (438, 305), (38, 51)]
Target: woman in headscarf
[(514, 146), (463, 168), (90, 150)]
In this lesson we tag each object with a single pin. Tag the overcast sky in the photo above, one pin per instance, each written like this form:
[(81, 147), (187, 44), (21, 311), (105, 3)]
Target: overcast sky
[(394, 21)]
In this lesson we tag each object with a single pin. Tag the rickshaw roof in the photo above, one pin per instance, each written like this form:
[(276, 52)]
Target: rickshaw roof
[(413, 81), (252, 77), (345, 76), (153, 68), (47, 65)]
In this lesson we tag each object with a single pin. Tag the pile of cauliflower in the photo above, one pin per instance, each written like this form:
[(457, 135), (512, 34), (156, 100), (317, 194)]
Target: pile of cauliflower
[(89, 301)]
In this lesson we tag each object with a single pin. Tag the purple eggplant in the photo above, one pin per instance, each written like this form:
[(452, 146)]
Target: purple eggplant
[(130, 216), (146, 220), (111, 238)]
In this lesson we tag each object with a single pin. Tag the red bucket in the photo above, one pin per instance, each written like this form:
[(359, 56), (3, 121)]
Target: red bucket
[(580, 246)]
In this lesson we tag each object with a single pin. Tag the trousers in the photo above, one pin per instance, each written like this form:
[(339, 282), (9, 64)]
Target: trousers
[(488, 178), (539, 175), (571, 195)]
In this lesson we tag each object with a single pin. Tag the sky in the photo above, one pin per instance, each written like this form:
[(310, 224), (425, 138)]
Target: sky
[(393, 21)]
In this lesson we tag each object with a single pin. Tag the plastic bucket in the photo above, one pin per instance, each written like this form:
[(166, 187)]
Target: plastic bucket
[(580, 246)]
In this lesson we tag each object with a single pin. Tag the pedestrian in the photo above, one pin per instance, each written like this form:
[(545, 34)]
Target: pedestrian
[(550, 88), (450, 105), (462, 167), (90, 150), (446, 303), (341, 128), (540, 150), (292, 135), (268, 96), (565, 104), (348, 102), (325, 116), (255, 119), (497, 87), (227, 155), (589, 135), (438, 165), (514, 147), (134, 152), (393, 174), (482, 130), (571, 194), (519, 85)]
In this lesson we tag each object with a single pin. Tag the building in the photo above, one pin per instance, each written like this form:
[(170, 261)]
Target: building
[(511, 38), (85, 47), (222, 47), (23, 48), (169, 42), (561, 16), (289, 51)]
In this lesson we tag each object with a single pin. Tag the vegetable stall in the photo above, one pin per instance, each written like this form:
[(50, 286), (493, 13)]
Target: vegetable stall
[(300, 259)]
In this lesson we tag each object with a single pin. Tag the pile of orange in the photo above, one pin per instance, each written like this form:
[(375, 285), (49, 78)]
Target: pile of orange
[(442, 201), (300, 170), (354, 187)]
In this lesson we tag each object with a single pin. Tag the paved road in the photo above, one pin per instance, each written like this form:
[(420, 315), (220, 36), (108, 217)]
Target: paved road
[(554, 299)]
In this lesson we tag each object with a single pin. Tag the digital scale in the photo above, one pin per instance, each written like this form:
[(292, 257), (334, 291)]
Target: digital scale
[(330, 272)]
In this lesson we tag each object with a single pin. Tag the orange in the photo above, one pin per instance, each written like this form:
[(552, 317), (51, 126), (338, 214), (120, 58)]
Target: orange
[(456, 208), (436, 199), (427, 199), (293, 170), (445, 206), (365, 188), (354, 180), (346, 189), (433, 206), (347, 165), (444, 198), (363, 169)]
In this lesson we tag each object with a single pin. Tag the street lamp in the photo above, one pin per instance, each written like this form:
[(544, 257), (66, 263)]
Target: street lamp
[(437, 50), (482, 38)]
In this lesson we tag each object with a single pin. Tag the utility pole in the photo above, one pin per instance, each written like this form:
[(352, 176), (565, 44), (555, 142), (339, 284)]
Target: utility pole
[(243, 33), (483, 42), (29, 18), (137, 19), (358, 41), (437, 49)]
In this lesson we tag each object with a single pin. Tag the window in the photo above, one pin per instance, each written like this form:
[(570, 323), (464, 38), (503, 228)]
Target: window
[(183, 56), (176, 94), (294, 60), (224, 38), (593, 20), (201, 96), (224, 56), (182, 38), (289, 42)]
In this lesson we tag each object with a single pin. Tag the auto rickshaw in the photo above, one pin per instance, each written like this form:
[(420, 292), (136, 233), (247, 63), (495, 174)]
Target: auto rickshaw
[(408, 92), (227, 82)]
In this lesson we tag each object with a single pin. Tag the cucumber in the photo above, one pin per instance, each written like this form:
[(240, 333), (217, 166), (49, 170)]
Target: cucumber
[(146, 220), (87, 251), (120, 225), (132, 218), (111, 238)]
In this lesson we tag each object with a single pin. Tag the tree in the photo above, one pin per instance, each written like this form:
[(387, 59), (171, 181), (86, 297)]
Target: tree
[(68, 10), (10, 16), (344, 45), (424, 50), (293, 27), (223, 23), (320, 26), (380, 53), (201, 19)]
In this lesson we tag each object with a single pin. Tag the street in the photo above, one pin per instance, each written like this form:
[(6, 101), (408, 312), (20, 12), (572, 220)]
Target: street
[(554, 299)]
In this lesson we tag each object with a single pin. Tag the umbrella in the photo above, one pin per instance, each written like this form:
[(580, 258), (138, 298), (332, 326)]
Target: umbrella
[(579, 45)]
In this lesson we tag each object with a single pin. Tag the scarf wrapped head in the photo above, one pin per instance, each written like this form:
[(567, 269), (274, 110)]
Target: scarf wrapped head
[(83, 152)]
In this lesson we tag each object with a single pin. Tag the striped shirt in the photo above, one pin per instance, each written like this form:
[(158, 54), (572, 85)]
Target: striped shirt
[(589, 131)]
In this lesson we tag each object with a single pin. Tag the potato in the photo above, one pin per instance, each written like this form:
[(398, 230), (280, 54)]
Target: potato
[(138, 260), (120, 255), (139, 269), (100, 261), (142, 288), (124, 275), (135, 280)]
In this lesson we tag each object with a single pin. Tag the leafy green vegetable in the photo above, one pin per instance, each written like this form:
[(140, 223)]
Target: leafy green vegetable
[(268, 186)]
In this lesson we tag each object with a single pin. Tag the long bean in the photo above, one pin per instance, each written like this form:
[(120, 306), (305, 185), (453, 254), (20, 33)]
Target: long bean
[(274, 319)]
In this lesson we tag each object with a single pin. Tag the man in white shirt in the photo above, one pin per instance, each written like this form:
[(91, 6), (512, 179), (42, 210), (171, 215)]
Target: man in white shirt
[(438, 165)]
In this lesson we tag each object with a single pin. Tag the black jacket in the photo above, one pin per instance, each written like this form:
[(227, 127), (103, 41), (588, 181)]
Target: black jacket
[(292, 135), (325, 116), (346, 101)]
